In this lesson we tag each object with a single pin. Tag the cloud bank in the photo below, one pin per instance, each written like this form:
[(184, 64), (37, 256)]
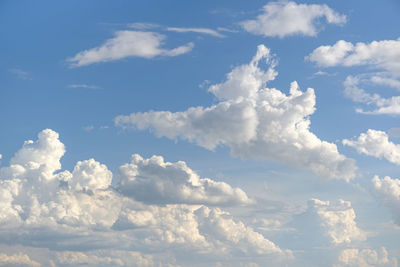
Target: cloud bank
[(253, 121)]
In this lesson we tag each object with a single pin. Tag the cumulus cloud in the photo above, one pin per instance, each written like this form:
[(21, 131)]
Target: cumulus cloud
[(383, 54), (333, 221), (365, 258), (80, 211), (253, 121), (376, 143), (196, 30), (155, 181), (388, 191), (128, 44), (18, 259), (285, 18), (388, 106)]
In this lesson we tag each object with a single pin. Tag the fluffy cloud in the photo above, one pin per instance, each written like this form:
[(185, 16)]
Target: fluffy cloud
[(41, 206), (155, 181), (382, 105), (365, 258), (128, 44), (379, 54), (376, 143), (388, 191), (334, 221), (18, 259), (288, 18), (254, 121)]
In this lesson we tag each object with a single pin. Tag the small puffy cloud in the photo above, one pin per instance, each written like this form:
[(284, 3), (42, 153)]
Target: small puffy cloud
[(285, 18), (19, 259), (365, 258), (376, 143), (388, 191), (383, 106), (128, 44), (334, 222), (155, 181), (196, 30), (90, 175), (383, 54), (253, 121)]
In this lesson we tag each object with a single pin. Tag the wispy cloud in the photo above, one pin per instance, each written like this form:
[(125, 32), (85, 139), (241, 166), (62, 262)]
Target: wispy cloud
[(82, 85), (21, 74), (196, 30)]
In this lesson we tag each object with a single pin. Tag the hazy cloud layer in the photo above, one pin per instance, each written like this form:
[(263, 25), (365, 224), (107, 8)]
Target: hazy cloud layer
[(376, 143), (285, 18), (253, 121), (128, 44)]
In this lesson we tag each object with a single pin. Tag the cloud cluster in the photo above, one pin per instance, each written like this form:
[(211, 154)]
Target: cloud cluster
[(382, 105), (253, 121), (376, 143), (18, 259), (388, 191), (285, 18), (42, 206), (335, 222), (128, 44), (365, 258)]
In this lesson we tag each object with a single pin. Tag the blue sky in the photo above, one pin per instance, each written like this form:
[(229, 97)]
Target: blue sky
[(212, 89)]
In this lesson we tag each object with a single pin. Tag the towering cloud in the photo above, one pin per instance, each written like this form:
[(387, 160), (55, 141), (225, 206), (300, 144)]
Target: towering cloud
[(254, 121)]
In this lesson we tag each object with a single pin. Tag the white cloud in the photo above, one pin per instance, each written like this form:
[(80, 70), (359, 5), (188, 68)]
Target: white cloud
[(285, 18), (254, 121), (383, 54), (21, 74), (83, 85), (196, 30), (376, 143), (128, 44), (388, 106), (155, 181), (18, 259), (333, 221), (41, 206), (388, 191), (365, 258)]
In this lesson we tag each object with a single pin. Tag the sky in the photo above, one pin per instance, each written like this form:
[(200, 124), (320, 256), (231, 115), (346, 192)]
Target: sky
[(199, 133)]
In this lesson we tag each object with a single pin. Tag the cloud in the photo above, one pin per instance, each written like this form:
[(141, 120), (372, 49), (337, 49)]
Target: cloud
[(157, 182), (80, 211), (128, 44), (365, 258), (21, 74), (334, 222), (376, 143), (383, 54), (388, 191), (196, 30), (253, 121), (284, 18), (383, 106), (18, 259), (82, 85)]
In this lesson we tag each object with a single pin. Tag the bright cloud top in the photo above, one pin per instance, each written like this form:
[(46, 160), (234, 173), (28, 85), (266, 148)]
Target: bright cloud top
[(383, 106), (379, 54), (254, 121), (388, 191), (288, 18), (366, 258), (376, 143), (80, 208), (157, 182), (128, 44)]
